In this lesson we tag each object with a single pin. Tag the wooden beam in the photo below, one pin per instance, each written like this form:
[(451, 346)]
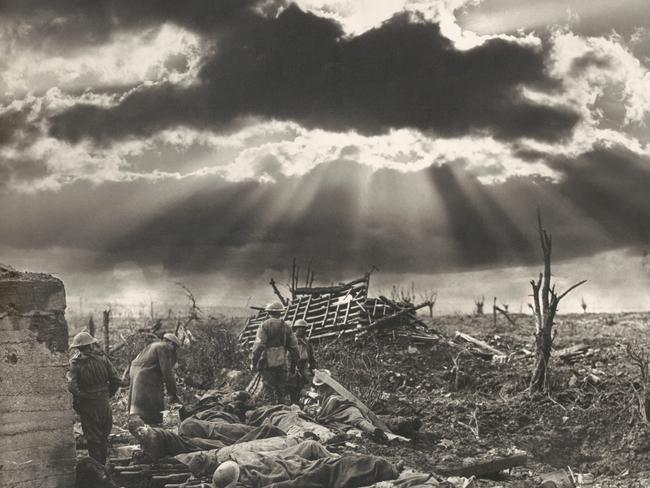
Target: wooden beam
[(571, 351), (347, 312), (327, 309), (304, 315), (484, 466), (479, 343), (387, 319), (329, 289), (348, 395), (295, 313), (505, 314)]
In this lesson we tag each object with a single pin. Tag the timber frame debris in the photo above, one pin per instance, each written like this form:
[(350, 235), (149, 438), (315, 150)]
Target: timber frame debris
[(335, 311)]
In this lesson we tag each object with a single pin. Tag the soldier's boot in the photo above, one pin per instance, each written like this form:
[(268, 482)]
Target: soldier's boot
[(376, 433), (98, 452)]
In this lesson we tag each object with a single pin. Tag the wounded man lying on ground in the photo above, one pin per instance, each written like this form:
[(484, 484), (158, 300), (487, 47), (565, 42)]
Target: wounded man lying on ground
[(290, 419), (338, 413), (306, 465), (216, 406), (157, 442)]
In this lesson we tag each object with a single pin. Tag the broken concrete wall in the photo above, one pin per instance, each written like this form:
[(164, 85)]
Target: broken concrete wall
[(36, 417)]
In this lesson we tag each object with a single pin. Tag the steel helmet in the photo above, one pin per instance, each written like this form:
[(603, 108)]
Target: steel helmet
[(82, 339), (300, 323), (172, 338), (274, 307), (226, 475)]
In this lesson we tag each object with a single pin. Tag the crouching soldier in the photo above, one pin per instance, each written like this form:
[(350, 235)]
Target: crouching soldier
[(273, 342), (306, 362), (92, 380)]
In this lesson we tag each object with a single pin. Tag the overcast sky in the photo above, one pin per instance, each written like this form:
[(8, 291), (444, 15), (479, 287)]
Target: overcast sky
[(211, 141)]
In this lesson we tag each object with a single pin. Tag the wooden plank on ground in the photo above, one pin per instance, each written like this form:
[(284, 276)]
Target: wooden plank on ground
[(570, 351), (479, 343), (483, 466), (348, 395)]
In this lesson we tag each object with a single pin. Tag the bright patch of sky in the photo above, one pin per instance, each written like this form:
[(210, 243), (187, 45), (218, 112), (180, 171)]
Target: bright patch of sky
[(165, 52)]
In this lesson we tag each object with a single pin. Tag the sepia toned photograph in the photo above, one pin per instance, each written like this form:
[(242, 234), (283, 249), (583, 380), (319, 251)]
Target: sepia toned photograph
[(324, 244)]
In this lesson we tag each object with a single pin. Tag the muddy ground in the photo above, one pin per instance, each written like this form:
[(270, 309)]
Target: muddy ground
[(589, 422)]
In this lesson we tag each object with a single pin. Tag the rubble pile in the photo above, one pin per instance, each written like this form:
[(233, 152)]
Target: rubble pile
[(342, 310)]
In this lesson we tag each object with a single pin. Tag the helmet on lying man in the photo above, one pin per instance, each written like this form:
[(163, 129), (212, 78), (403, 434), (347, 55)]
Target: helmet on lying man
[(226, 475)]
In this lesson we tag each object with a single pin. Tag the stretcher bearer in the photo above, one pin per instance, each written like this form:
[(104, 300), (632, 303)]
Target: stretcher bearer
[(275, 345), (92, 380), (306, 361), (150, 373)]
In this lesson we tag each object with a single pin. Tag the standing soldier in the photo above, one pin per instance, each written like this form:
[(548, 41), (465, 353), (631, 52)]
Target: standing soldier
[(92, 380), (306, 361), (149, 372), (274, 340)]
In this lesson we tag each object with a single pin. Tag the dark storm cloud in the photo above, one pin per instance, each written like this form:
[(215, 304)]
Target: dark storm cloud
[(16, 126), (207, 225), (611, 187), (300, 67)]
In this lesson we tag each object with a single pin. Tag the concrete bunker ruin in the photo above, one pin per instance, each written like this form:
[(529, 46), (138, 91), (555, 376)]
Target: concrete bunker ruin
[(37, 446)]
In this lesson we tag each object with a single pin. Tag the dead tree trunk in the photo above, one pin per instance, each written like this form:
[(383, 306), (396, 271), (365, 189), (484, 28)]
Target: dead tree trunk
[(294, 279), (194, 311), (478, 311), (429, 297), (545, 303), (91, 326), (311, 279), (106, 322), (639, 356)]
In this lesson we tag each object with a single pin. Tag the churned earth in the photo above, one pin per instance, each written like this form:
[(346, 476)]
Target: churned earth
[(470, 406)]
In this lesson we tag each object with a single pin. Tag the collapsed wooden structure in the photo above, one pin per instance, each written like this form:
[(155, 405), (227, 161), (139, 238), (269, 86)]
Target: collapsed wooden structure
[(339, 310)]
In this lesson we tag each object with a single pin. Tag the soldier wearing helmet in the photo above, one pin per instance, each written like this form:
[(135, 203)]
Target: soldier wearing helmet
[(226, 475), (306, 361), (92, 380), (275, 345), (148, 375)]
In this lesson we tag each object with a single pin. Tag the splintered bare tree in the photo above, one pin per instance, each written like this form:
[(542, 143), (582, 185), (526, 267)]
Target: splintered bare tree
[(91, 326), (545, 303), (193, 313), (478, 304), (405, 295), (583, 304), (429, 297), (639, 356), (106, 322)]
